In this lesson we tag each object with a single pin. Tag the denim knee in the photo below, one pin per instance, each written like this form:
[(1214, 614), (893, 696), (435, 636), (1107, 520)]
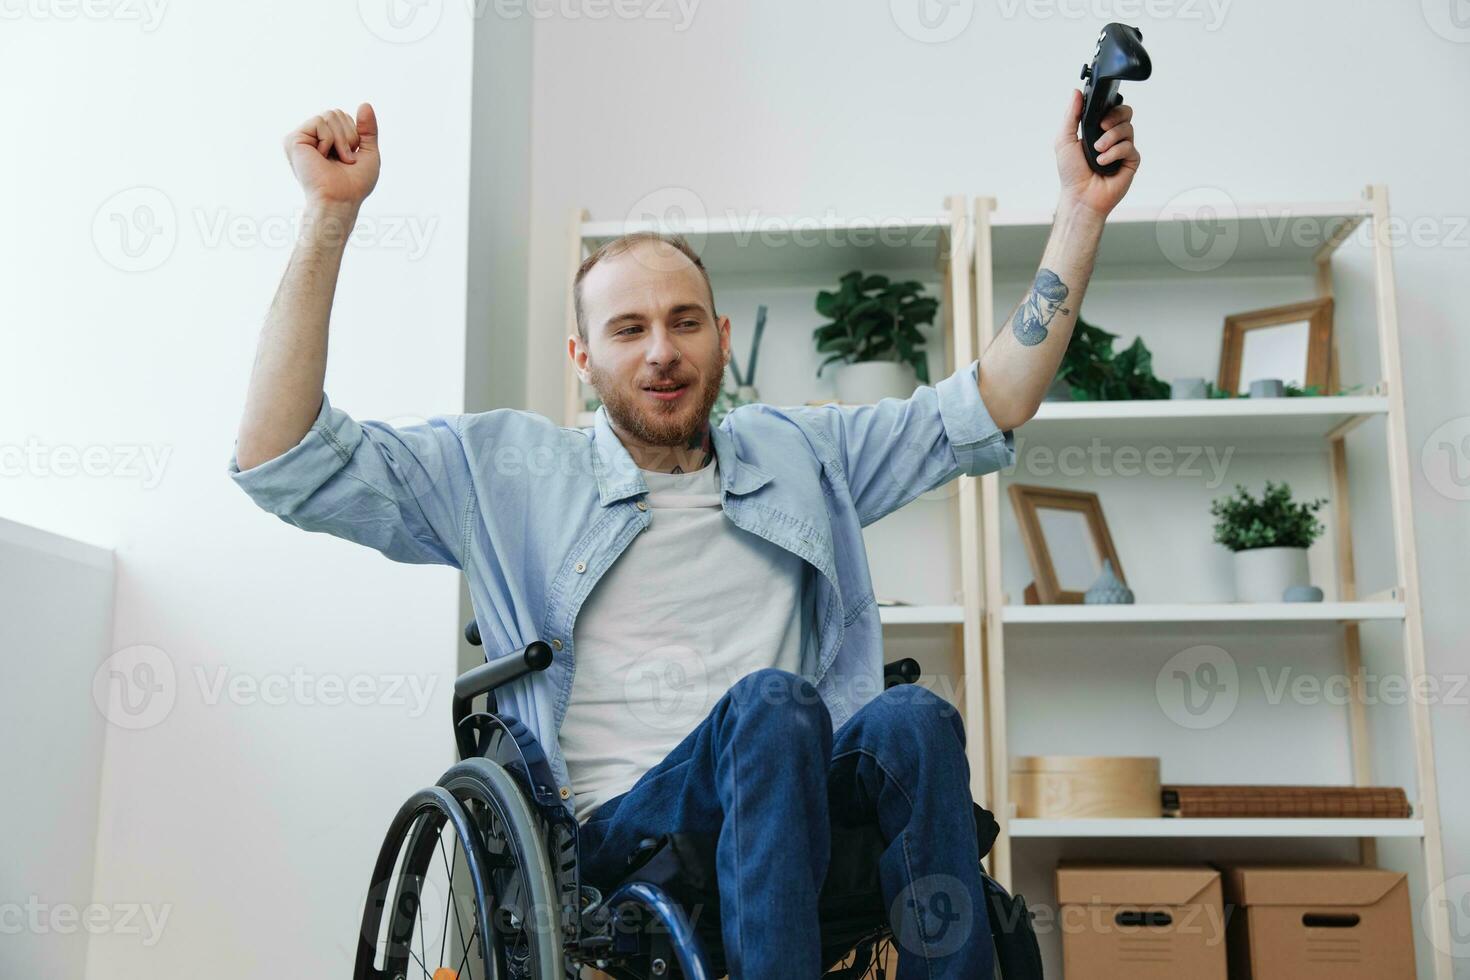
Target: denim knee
[(909, 712), (781, 702)]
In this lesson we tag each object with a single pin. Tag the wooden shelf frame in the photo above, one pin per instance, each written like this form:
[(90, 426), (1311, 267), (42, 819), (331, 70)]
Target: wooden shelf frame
[(1330, 418)]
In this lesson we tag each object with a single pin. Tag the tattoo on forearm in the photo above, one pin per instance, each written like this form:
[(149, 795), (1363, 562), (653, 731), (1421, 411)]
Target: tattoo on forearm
[(1042, 303)]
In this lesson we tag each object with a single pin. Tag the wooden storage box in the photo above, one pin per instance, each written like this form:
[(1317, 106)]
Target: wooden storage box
[(1065, 787)]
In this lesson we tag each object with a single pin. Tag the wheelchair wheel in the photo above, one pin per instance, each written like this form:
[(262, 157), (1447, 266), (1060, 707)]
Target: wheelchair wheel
[(430, 881), (525, 911)]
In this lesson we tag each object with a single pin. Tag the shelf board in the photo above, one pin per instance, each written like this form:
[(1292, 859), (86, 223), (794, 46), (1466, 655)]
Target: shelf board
[(1247, 422), (1175, 827), (1203, 612), (786, 246), (1147, 242), (920, 615)]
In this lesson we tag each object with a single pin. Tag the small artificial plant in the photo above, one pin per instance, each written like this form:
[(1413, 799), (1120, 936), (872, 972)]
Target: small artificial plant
[(1096, 374), (873, 319), (1243, 522)]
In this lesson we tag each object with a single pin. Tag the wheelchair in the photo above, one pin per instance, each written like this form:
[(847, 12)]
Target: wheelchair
[(478, 877)]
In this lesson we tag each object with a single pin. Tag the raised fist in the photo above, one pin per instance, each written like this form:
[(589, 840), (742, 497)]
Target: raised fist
[(334, 158)]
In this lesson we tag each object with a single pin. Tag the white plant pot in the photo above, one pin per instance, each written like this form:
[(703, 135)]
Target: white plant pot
[(871, 381), (1264, 574)]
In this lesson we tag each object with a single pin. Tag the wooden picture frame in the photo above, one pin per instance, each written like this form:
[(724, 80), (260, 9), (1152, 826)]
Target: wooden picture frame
[(1027, 502), (1318, 315)]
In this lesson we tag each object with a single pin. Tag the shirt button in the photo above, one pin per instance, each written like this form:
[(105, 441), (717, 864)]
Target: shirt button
[(642, 505), (555, 643), (566, 792), (581, 567)]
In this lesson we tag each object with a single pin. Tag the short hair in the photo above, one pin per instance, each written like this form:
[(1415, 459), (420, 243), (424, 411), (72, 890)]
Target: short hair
[(618, 246)]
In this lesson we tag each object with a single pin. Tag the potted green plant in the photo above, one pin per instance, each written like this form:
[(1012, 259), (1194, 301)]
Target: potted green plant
[(1091, 371), (1269, 536), (873, 335)]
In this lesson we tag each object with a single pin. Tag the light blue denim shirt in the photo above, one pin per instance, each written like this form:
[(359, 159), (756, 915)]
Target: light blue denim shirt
[(534, 513)]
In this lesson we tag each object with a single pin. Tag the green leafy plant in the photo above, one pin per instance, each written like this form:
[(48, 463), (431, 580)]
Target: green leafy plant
[(1243, 522), (873, 319), (1095, 373)]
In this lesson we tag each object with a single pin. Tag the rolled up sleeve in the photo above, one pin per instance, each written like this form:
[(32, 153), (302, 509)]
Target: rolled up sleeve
[(402, 490), (895, 450), (979, 447)]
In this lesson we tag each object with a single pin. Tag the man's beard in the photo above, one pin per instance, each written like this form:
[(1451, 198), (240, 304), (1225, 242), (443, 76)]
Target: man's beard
[(651, 422)]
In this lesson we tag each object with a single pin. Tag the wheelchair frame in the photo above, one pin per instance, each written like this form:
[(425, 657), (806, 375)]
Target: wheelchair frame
[(503, 786)]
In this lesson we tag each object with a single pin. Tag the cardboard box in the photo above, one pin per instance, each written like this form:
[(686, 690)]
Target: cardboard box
[(1319, 923), (1141, 923)]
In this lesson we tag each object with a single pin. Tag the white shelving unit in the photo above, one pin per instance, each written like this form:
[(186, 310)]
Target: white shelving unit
[(1274, 246), (963, 249), (1169, 827)]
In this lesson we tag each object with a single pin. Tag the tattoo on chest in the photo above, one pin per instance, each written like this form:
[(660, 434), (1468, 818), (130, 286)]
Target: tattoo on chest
[(1042, 303)]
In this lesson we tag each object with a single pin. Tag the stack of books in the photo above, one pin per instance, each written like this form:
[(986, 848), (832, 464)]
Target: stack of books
[(1285, 801)]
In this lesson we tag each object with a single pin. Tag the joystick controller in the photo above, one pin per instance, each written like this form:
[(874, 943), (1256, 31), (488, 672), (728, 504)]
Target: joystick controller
[(1119, 55)]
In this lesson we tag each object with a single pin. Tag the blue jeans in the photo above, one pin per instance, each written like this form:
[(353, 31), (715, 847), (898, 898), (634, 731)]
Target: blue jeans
[(750, 774)]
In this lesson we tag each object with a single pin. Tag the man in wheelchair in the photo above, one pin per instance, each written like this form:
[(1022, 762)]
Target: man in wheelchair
[(688, 649)]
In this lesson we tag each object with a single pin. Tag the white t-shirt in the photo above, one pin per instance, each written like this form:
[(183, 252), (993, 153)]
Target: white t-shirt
[(693, 604)]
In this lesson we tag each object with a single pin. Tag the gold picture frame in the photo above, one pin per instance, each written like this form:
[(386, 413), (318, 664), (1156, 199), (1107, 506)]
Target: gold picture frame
[(1081, 559), (1315, 315)]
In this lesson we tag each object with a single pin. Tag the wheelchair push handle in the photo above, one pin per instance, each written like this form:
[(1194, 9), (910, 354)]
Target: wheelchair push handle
[(534, 656)]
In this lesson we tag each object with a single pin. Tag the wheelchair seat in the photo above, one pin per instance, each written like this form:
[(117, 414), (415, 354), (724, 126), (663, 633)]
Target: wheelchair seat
[(533, 917)]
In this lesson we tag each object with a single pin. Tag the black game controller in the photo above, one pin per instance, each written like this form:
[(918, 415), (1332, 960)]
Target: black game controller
[(1119, 55)]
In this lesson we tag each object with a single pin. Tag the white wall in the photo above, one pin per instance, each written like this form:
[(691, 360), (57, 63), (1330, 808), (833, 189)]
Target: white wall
[(766, 107), (250, 825), (55, 634)]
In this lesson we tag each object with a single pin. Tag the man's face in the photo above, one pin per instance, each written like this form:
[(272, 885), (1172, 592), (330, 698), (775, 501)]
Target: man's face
[(654, 351)]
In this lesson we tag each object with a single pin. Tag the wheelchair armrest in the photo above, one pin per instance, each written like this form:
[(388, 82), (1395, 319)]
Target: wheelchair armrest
[(905, 671)]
